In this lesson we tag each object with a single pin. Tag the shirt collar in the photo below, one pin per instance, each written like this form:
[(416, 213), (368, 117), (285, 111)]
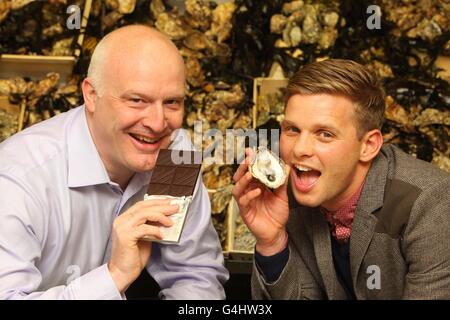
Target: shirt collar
[(85, 166), (345, 213)]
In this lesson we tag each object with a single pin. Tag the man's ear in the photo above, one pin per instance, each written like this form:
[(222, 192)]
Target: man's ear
[(372, 142), (89, 94)]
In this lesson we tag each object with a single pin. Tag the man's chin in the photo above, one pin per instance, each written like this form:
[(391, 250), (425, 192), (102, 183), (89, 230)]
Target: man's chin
[(143, 165), (307, 200)]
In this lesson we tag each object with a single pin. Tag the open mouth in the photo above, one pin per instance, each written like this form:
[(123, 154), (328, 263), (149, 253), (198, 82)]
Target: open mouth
[(306, 177), (144, 139)]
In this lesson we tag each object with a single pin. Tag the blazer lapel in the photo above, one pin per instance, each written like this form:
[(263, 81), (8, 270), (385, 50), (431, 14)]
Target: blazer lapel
[(362, 232), (324, 258), (364, 222)]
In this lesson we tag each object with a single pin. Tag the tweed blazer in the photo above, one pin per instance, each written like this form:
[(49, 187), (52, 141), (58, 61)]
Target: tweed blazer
[(399, 244)]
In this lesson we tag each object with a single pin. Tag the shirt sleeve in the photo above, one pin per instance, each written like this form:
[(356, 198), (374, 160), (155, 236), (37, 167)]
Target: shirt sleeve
[(22, 231), (272, 266), (193, 268)]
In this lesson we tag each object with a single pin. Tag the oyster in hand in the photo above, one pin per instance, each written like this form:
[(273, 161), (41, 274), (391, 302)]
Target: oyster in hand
[(268, 168)]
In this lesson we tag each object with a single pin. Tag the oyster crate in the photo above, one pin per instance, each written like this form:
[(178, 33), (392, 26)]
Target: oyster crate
[(37, 66), (224, 225), (263, 86), (232, 252)]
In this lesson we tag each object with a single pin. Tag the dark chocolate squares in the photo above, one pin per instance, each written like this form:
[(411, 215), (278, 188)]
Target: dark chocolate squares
[(175, 173)]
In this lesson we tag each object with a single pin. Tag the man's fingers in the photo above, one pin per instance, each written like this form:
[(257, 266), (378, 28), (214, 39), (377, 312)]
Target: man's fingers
[(160, 220), (241, 185), (146, 204), (243, 167), (249, 152), (154, 214), (241, 170), (245, 200), (145, 230)]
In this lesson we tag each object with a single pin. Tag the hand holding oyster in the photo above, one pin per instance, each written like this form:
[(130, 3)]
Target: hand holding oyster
[(264, 211), (267, 168)]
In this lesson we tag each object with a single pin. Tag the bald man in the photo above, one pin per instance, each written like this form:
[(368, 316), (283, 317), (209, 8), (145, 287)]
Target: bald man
[(71, 187)]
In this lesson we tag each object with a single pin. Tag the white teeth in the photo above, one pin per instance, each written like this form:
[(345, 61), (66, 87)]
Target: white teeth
[(145, 139), (301, 168)]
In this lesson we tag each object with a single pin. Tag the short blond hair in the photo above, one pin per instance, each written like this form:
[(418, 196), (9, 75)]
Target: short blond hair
[(344, 78)]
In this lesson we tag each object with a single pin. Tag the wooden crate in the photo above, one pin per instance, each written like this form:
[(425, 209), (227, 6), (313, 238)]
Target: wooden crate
[(262, 86), (233, 253), (225, 246), (37, 66)]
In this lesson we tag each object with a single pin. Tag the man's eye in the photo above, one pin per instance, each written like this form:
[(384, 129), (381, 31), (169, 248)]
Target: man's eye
[(173, 102), (136, 100), (326, 134), (291, 129)]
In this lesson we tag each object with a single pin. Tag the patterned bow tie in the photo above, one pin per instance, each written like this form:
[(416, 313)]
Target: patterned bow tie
[(341, 220)]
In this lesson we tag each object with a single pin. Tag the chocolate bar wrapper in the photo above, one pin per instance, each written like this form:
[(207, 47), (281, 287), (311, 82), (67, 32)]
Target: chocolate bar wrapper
[(172, 235)]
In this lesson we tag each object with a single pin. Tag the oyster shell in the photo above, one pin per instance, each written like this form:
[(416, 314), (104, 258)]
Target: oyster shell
[(16, 5), (4, 10), (157, 7), (171, 25), (126, 6), (196, 40), (8, 124), (194, 72), (198, 14), (277, 23), (221, 24), (220, 199), (291, 7), (268, 168), (395, 112)]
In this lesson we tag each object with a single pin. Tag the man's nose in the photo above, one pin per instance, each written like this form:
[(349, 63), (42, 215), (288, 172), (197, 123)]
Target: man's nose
[(303, 146), (155, 118)]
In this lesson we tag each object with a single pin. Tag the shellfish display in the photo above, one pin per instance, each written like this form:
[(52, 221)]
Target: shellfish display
[(227, 45), (44, 98), (37, 27), (268, 168)]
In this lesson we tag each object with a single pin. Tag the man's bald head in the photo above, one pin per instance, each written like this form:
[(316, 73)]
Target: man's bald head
[(128, 44)]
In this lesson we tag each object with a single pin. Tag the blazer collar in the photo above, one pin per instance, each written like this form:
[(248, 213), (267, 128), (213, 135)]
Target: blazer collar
[(324, 257), (363, 227), (372, 195)]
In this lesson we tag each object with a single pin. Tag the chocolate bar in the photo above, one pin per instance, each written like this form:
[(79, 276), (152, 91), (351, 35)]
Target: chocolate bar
[(175, 173), (174, 177)]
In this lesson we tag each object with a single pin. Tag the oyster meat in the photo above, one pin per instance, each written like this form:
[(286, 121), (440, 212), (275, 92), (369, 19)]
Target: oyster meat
[(268, 168)]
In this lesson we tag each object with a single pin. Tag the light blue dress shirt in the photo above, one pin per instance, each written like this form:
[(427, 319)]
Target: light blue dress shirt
[(57, 206)]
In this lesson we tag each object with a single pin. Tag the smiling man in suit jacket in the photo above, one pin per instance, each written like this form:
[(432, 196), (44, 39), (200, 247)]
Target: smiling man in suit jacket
[(355, 219)]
